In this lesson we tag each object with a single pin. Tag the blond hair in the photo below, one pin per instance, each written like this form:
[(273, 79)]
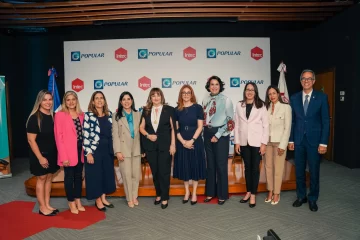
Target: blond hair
[(64, 108), (40, 97)]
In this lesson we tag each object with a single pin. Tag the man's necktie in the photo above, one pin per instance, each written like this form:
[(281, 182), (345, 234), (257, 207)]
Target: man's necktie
[(306, 103)]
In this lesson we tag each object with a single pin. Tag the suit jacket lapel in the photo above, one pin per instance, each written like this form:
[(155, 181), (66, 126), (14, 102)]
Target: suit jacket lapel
[(277, 108), (125, 122), (73, 127), (135, 122), (311, 103), (300, 104), (161, 117)]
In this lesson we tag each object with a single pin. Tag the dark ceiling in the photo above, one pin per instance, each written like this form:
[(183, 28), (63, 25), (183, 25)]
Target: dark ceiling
[(17, 14)]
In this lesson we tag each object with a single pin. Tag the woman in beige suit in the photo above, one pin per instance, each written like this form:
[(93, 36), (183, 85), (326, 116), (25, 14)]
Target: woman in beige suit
[(279, 133), (126, 143)]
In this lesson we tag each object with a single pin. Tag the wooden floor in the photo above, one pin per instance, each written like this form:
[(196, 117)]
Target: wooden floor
[(236, 181)]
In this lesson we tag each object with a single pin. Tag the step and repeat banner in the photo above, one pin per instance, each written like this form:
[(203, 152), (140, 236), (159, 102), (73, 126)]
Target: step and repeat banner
[(4, 136), (137, 65)]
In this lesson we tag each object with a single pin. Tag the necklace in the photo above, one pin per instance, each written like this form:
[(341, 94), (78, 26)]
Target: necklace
[(156, 115)]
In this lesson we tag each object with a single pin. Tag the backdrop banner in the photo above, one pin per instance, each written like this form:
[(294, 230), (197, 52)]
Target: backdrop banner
[(137, 65), (4, 136)]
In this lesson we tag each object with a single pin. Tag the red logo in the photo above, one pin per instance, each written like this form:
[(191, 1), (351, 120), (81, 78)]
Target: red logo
[(77, 85), (121, 54), (144, 83), (189, 53), (257, 53)]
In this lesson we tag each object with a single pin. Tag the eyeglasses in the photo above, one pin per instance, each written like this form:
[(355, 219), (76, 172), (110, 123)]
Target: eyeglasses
[(250, 90), (186, 93), (303, 79)]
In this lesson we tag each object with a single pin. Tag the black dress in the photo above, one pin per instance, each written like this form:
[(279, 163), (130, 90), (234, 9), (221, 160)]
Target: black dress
[(189, 164), (100, 176), (45, 140)]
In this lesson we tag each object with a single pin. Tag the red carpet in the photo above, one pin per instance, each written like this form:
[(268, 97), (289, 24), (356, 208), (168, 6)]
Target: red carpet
[(17, 220)]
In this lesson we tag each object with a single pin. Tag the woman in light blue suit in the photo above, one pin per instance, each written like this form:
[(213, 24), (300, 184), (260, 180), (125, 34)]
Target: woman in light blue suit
[(98, 148)]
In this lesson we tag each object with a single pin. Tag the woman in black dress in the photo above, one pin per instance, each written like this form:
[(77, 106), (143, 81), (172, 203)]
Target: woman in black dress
[(189, 161), (98, 149), (43, 153)]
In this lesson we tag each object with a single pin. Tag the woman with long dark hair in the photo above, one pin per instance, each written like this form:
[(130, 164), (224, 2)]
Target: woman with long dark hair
[(279, 132), (251, 136), (126, 144), (43, 152), (158, 129), (98, 148)]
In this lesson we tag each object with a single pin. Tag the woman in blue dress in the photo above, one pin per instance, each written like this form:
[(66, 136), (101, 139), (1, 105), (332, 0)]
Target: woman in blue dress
[(98, 149), (189, 161)]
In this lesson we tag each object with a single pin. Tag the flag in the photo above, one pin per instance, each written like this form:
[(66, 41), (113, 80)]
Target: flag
[(282, 83), (52, 87)]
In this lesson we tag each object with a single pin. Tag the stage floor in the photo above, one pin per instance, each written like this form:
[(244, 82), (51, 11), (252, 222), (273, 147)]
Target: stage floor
[(237, 182)]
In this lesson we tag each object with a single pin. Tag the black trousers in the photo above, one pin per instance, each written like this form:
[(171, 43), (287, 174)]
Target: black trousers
[(160, 165), (217, 154), (73, 178), (251, 158)]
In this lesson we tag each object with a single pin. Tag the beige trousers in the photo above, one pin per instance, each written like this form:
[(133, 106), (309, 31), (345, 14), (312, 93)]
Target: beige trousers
[(274, 167), (130, 173)]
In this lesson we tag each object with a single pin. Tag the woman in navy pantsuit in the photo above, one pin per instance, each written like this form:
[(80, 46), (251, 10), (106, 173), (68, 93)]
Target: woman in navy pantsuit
[(99, 164)]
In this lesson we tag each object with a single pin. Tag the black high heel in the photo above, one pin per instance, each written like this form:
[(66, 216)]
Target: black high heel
[(47, 215), (208, 199), (100, 209), (245, 201)]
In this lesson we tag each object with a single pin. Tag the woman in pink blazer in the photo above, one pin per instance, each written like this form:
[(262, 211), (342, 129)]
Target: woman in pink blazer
[(68, 137), (251, 136)]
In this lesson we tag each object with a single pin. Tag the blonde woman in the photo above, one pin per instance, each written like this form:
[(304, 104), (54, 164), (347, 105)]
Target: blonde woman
[(40, 135), (68, 136), (98, 148)]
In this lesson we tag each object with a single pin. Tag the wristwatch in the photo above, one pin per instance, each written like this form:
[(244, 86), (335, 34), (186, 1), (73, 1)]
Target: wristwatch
[(194, 139)]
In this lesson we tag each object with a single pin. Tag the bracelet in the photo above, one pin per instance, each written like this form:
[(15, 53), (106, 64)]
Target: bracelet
[(194, 139)]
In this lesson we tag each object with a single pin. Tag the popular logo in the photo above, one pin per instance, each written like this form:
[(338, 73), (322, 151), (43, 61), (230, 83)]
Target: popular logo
[(234, 82), (166, 82), (256, 53), (99, 84), (77, 85), (144, 83), (189, 53), (121, 54), (77, 56), (257, 82), (143, 53), (213, 53)]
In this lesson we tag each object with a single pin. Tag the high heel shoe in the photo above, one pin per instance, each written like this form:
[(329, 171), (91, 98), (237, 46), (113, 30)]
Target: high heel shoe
[(186, 200), (157, 202), (47, 215), (244, 200), (274, 203), (163, 206), (73, 208), (131, 204), (208, 199), (269, 200), (100, 209), (136, 203)]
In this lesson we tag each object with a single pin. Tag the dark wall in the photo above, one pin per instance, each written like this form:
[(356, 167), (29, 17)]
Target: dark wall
[(27, 58)]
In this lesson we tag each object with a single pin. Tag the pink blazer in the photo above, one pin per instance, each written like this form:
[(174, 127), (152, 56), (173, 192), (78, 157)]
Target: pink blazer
[(66, 138), (254, 130)]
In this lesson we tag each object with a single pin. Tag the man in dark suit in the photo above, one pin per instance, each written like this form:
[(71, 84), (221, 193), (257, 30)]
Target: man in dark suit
[(309, 136)]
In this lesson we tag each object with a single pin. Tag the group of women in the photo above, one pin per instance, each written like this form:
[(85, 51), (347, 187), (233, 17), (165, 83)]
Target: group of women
[(196, 135)]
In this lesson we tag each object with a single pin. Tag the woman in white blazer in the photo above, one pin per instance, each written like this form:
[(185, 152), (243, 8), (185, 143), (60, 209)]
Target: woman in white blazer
[(251, 136), (279, 132)]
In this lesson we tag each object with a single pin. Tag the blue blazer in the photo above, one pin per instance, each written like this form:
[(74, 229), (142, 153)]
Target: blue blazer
[(316, 123)]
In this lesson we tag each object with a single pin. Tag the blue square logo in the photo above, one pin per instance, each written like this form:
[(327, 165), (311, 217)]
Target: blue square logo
[(166, 82), (211, 53), (98, 84), (235, 82), (75, 56), (143, 53)]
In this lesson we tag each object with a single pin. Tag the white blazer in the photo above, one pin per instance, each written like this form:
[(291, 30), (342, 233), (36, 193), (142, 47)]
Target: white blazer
[(254, 130), (280, 124)]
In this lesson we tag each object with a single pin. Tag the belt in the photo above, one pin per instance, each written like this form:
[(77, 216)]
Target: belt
[(187, 128), (210, 126)]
